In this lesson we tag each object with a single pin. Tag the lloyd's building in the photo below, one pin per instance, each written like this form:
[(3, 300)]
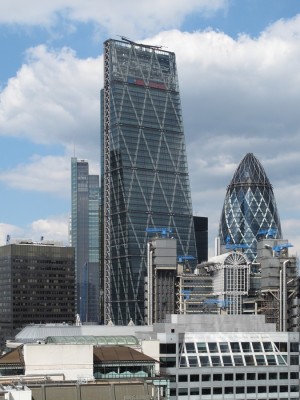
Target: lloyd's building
[(145, 181)]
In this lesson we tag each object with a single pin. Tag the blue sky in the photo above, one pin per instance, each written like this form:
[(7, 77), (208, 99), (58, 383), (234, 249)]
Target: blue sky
[(238, 64)]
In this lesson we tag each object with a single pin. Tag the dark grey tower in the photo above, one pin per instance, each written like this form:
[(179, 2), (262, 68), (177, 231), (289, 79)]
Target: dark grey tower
[(145, 181), (249, 207), (85, 239)]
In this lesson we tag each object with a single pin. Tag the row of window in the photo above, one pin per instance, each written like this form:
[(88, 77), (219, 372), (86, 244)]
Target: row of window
[(238, 347), (250, 376), (234, 390)]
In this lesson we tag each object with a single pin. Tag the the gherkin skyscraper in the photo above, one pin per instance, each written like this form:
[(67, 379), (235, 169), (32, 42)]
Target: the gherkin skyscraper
[(249, 208), (145, 181)]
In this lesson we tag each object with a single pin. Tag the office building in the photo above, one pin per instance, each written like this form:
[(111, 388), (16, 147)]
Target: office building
[(145, 181), (201, 236), (200, 357), (37, 285), (85, 231), (249, 209)]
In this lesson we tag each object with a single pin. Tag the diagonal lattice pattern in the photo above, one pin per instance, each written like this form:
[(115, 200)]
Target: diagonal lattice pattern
[(148, 175), (249, 206)]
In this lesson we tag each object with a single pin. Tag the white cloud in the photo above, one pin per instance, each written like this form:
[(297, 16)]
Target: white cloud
[(238, 96), (48, 174), (131, 17), (53, 228), (8, 230)]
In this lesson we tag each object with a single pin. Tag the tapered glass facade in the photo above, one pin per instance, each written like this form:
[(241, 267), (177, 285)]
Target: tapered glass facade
[(145, 181), (85, 238), (249, 208)]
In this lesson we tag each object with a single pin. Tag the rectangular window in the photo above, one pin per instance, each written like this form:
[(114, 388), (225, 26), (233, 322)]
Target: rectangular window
[(238, 361), (228, 390), (251, 389), (228, 377), (205, 378), (239, 377), (271, 360), (235, 347), (246, 347), (182, 392), (204, 361), (217, 377), (167, 348), (194, 378), (168, 362), (205, 391), (183, 361), (201, 347), (273, 389), (257, 347), (193, 361), (239, 390), (249, 360), (294, 347), (217, 390), (216, 361), (227, 361), (261, 376), (251, 376), (283, 375), (182, 378), (294, 360), (194, 391), (283, 389), (224, 347), (262, 389), (213, 348), (294, 375), (190, 347), (272, 375), (268, 346)]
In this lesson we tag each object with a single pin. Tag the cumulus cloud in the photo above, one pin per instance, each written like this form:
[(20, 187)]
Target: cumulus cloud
[(53, 228), (238, 95), (49, 174), (115, 16)]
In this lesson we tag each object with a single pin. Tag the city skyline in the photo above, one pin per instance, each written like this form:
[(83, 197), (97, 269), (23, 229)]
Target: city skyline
[(241, 97)]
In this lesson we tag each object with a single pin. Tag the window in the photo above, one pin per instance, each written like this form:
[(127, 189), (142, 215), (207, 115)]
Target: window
[(294, 388), (268, 346), (283, 389), (249, 360), (194, 391), (239, 390), (217, 390), (262, 389), (193, 361), (190, 347), (194, 378), (281, 346), (224, 347), (271, 360), (294, 360), (168, 348), (251, 377), (251, 389), (213, 348), (216, 361), (182, 378), (272, 389), (260, 359), (205, 391), (217, 377), (294, 347), (294, 375), (204, 361), (246, 347), (183, 361), (182, 392), (238, 361), (261, 376), (201, 347), (257, 347), (272, 375), (205, 378), (173, 392), (239, 377), (227, 361), (235, 347), (228, 390), (228, 377), (168, 362), (283, 375)]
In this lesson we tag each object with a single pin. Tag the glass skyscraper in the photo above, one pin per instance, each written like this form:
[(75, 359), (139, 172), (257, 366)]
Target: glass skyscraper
[(85, 238), (145, 181), (249, 208)]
